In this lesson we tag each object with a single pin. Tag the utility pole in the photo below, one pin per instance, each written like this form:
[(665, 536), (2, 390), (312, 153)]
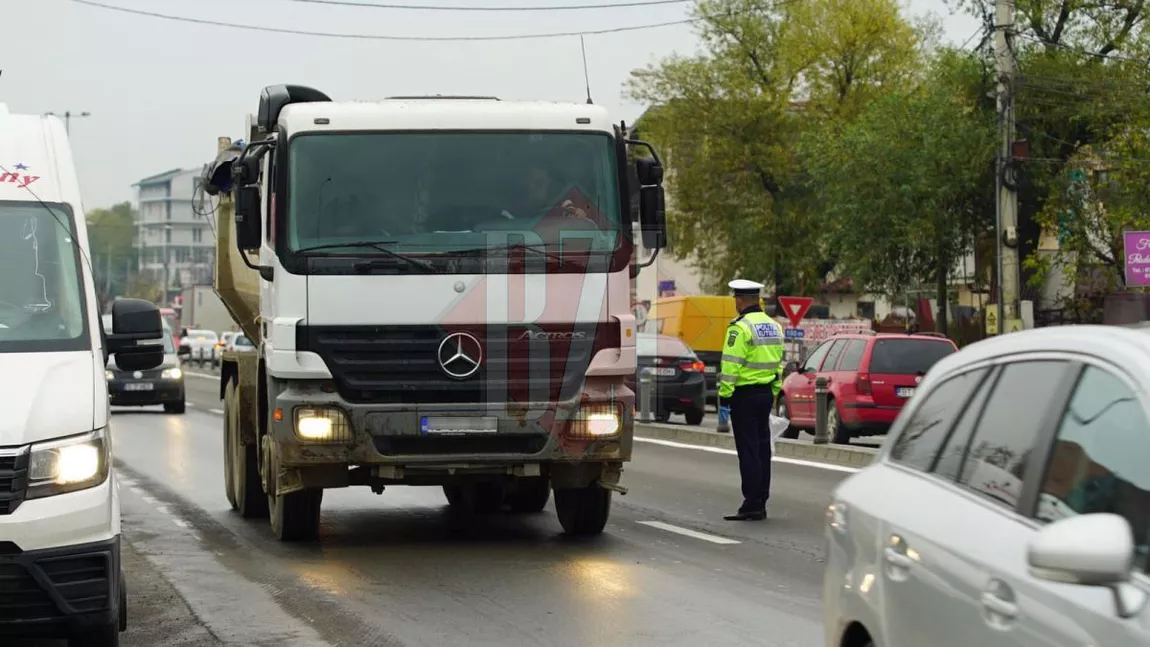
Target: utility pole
[(68, 114), (1007, 207)]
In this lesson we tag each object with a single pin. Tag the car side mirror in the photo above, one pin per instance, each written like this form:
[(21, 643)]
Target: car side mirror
[(137, 335), (1089, 550)]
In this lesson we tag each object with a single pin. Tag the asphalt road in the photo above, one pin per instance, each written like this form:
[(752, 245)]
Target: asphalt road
[(400, 569)]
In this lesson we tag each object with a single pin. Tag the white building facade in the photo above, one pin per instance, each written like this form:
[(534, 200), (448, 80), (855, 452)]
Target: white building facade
[(174, 233)]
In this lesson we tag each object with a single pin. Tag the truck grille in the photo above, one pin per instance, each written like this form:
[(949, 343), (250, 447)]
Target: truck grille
[(400, 364), (13, 480)]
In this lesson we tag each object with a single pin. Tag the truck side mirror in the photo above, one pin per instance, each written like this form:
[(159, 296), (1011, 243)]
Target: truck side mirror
[(649, 171), (249, 233), (135, 321), (652, 217)]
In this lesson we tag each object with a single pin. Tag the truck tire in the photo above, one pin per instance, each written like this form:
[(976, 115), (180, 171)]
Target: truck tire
[(247, 490), (583, 511), (476, 497), (295, 516), (530, 495)]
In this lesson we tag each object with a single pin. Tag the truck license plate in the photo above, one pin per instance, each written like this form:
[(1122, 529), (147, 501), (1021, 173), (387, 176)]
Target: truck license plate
[(139, 386), (458, 425), (905, 391)]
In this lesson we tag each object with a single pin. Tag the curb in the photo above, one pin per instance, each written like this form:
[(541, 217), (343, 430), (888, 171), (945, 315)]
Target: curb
[(842, 455)]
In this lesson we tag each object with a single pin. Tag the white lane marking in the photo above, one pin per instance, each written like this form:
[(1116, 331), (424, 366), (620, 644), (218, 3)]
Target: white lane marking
[(202, 376), (181, 523), (731, 452), (218, 412), (190, 404), (687, 532), (149, 499), (163, 509)]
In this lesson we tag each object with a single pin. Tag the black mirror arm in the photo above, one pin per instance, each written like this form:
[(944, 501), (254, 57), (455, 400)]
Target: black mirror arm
[(649, 261), (642, 144)]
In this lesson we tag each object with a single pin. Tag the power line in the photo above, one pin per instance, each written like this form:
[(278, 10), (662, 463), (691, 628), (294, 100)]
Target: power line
[(573, 7), (322, 34)]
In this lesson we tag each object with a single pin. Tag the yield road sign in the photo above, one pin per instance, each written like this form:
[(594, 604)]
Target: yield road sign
[(795, 308)]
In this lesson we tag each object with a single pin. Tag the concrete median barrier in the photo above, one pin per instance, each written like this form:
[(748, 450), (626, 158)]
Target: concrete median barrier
[(841, 455)]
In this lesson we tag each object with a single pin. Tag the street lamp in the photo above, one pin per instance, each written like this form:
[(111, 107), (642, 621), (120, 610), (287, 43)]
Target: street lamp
[(68, 114), (167, 277)]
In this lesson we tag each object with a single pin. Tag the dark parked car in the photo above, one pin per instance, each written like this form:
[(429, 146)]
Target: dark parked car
[(679, 383), (161, 385)]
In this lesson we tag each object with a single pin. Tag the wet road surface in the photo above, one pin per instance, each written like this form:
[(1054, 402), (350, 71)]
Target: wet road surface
[(401, 569)]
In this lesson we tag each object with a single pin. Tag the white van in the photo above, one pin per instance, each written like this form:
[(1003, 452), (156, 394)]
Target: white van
[(59, 506)]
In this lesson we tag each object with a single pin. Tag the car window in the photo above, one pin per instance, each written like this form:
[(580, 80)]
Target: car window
[(662, 346), (949, 461), (925, 431), (1098, 462), (907, 356), (834, 354), (816, 357), (242, 340), (851, 355), (1008, 428)]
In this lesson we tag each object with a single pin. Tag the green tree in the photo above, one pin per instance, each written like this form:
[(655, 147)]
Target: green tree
[(731, 119), (111, 240), (904, 186)]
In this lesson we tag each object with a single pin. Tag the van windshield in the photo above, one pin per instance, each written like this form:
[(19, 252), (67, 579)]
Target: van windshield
[(42, 306)]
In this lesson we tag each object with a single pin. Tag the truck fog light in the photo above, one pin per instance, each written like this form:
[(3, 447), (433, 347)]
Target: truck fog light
[(322, 425), (596, 421)]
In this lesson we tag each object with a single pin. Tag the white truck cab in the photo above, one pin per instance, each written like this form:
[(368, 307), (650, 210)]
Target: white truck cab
[(59, 507)]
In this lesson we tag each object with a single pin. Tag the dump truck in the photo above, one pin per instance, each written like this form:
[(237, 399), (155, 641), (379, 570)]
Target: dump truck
[(438, 288)]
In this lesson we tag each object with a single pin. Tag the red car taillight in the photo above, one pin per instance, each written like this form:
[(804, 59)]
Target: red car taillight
[(862, 384), (692, 367)]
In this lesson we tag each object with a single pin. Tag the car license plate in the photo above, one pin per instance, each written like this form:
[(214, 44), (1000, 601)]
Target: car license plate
[(905, 391), (458, 425), (139, 386), (711, 369), (665, 372)]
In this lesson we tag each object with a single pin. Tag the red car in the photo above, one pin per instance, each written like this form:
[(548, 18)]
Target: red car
[(870, 376)]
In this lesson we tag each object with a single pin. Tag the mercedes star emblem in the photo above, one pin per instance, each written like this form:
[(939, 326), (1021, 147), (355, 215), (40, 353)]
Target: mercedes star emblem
[(460, 355)]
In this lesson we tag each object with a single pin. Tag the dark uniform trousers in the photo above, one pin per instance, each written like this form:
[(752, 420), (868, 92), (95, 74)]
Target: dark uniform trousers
[(751, 423)]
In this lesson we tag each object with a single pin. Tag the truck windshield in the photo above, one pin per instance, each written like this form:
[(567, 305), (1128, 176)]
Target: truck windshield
[(42, 306), (456, 199)]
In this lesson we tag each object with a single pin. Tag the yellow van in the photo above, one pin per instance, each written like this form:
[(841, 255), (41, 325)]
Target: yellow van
[(700, 321)]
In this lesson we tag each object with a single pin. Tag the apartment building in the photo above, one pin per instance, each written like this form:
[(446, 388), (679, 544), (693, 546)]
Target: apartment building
[(174, 230)]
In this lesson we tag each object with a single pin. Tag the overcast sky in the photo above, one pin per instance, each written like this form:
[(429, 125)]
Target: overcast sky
[(160, 91)]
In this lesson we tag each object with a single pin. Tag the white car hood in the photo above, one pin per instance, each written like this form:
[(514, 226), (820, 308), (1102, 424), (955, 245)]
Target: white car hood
[(46, 395)]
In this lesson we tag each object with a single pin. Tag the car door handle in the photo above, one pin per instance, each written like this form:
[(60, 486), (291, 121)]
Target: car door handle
[(895, 558), (998, 606)]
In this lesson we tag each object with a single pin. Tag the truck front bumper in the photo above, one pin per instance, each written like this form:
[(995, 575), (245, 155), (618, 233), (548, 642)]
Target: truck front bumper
[(502, 437)]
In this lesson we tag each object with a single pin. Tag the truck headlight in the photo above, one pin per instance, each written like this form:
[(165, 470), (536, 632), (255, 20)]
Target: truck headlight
[(171, 374), (68, 464), (594, 421), (322, 425)]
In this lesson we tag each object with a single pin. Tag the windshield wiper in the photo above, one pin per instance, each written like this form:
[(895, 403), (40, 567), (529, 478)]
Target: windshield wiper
[(506, 248), (377, 245)]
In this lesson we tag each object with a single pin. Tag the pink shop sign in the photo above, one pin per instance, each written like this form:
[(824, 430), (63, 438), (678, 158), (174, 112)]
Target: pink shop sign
[(1137, 249)]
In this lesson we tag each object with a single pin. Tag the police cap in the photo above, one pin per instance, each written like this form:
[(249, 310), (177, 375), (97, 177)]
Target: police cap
[(745, 288)]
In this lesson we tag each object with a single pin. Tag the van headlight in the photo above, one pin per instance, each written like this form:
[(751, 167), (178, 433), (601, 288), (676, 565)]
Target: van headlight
[(68, 464)]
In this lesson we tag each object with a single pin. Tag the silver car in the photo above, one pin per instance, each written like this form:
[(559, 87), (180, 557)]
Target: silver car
[(1009, 505)]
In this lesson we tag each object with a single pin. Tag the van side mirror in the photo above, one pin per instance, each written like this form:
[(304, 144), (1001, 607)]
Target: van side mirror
[(137, 334)]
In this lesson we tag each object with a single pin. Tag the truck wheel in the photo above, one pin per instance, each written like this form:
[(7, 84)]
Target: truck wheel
[(247, 490), (295, 516), (477, 497), (583, 511), (530, 495)]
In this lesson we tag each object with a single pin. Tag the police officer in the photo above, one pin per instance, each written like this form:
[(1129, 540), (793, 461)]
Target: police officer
[(749, 377)]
